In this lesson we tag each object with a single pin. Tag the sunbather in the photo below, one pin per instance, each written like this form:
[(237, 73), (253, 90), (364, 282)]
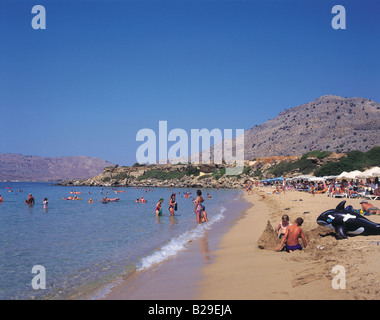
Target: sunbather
[(369, 208)]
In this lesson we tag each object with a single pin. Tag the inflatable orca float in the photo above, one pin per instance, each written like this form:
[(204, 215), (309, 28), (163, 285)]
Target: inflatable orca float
[(344, 222)]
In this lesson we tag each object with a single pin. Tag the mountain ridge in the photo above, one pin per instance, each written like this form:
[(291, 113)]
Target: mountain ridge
[(330, 122), (19, 167)]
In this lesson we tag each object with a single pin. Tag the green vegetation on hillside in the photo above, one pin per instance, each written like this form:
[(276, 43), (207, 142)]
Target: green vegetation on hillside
[(168, 175), (304, 165), (354, 160), (218, 173), (316, 154)]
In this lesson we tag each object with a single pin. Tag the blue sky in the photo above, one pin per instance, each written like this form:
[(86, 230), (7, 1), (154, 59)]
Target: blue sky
[(102, 70)]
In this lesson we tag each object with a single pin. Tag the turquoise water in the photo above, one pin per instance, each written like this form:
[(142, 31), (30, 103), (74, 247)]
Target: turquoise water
[(87, 248)]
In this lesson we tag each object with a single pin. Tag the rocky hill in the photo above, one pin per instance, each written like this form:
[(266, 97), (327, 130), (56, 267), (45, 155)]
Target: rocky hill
[(33, 168), (168, 175), (331, 123), (228, 175)]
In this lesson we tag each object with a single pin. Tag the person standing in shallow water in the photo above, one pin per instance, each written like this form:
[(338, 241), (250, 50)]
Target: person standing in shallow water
[(30, 199), (158, 207), (172, 203), (199, 209)]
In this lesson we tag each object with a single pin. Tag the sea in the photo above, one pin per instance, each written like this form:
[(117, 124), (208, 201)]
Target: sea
[(81, 250)]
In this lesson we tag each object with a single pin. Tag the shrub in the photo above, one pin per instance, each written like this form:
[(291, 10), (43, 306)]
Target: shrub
[(305, 166), (168, 175), (218, 173), (162, 175), (354, 160), (316, 154)]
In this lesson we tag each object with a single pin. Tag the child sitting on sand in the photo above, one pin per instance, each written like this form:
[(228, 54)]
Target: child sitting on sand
[(283, 225), (291, 237)]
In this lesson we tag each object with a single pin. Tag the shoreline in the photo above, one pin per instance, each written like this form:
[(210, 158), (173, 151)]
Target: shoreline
[(178, 277), (243, 271)]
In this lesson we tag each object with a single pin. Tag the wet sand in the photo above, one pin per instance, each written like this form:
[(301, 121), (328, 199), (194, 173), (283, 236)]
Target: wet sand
[(241, 270)]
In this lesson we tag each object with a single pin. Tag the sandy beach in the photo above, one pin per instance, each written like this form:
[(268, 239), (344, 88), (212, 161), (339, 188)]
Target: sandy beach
[(242, 270)]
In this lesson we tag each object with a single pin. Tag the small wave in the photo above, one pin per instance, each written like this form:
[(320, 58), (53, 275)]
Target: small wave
[(104, 290), (170, 249), (179, 243)]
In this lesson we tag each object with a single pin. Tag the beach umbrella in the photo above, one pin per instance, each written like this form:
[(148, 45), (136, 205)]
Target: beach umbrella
[(353, 174), (370, 173), (317, 179), (342, 175), (365, 174), (329, 177), (303, 177), (375, 172)]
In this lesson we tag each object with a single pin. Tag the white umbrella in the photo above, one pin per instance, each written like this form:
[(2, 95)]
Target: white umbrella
[(353, 174), (342, 175), (370, 173), (329, 177), (305, 177), (375, 172), (317, 179)]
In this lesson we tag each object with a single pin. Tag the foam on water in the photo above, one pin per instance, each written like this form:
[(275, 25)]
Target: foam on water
[(172, 248), (177, 244)]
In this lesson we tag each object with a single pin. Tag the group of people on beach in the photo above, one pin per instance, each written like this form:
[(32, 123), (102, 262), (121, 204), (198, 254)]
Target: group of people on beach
[(290, 233), (332, 187)]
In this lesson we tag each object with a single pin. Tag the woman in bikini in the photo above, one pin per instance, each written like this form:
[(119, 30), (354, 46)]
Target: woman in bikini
[(172, 203), (200, 209), (158, 207)]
